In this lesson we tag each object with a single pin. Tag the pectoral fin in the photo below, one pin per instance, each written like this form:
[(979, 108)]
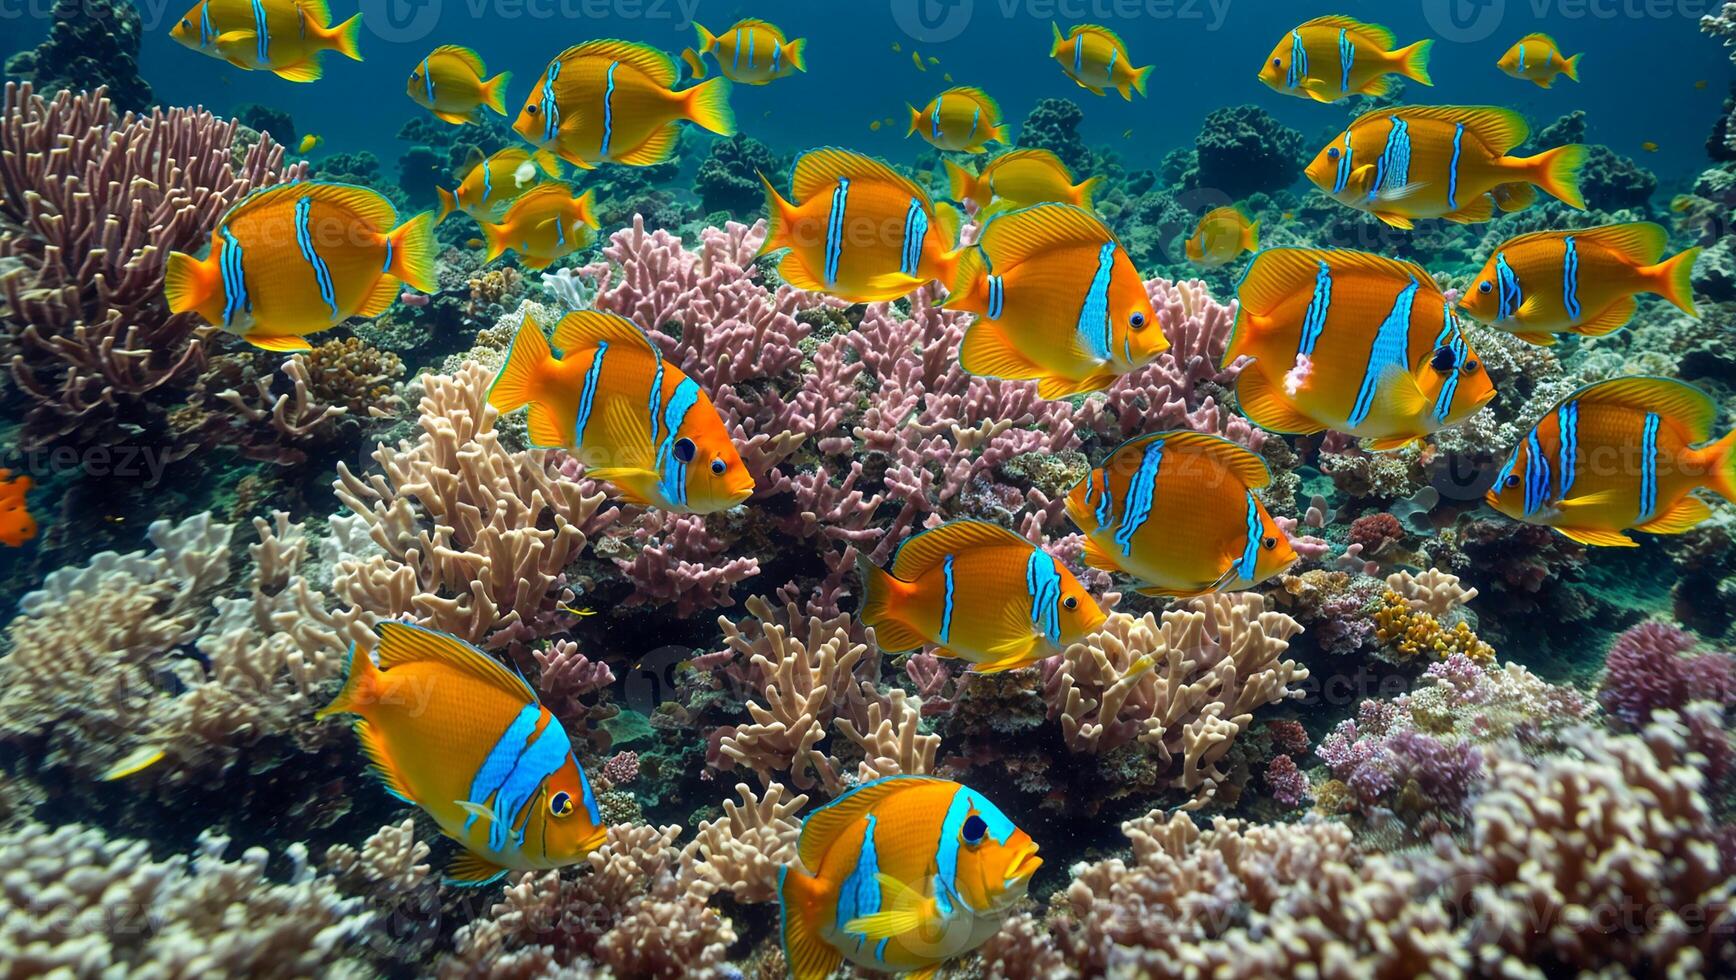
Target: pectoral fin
[(1687, 514), (1599, 537), (908, 912), (471, 871)]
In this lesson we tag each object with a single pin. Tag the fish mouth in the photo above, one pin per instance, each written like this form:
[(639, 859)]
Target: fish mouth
[(1024, 864)]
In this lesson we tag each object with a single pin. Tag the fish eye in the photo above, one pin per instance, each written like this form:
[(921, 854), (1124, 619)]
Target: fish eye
[(1269, 543), (1277, 62), (1512, 480), (974, 829), (718, 466), (531, 108), (1138, 321), (685, 450), (186, 23), (1071, 602), (1485, 286), (1443, 359), (1471, 367), (560, 804), (1332, 153)]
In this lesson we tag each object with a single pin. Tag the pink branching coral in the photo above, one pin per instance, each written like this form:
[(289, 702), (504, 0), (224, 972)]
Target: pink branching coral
[(1654, 667), (95, 202)]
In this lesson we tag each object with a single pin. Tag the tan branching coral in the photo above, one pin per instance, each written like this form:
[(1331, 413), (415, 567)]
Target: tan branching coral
[(893, 742), (475, 539), (1183, 687), (741, 851), (390, 861), (1434, 592)]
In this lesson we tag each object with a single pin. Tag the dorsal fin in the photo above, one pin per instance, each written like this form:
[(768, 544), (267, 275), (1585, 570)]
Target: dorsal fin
[(1497, 128), (1247, 467), (588, 328), (369, 205), (1540, 36), (749, 23), (472, 159), (978, 96), (1339, 22), (1046, 157), (1100, 31), (825, 825), (319, 11), (550, 194), (1681, 403), (407, 643), (1641, 241), (1278, 273), (470, 59), (924, 551), (649, 61), (817, 172), (1018, 235)]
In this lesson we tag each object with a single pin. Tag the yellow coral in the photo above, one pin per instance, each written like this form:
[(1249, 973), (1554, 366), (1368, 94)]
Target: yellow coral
[(1412, 632)]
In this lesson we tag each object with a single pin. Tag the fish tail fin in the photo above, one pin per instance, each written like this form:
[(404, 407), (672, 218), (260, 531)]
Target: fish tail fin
[(1572, 69), (191, 285), (1085, 191), (778, 213), (708, 105), (797, 52), (346, 38), (879, 608), (801, 899), (494, 92), (1251, 236), (707, 41), (1557, 172), (1673, 279), (961, 183), (494, 236), (915, 120), (969, 270), (1413, 61), (448, 204), (1140, 77), (586, 203), (520, 380), (1720, 462), (695, 64), (412, 250), (358, 686)]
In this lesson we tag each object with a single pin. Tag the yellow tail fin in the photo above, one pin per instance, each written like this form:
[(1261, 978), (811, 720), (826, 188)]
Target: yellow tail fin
[(778, 212), (1673, 279), (191, 286), (1085, 191), (915, 120), (1557, 172), (448, 204), (346, 38), (1140, 76), (494, 92), (1413, 62), (695, 64), (1720, 459), (520, 380), (411, 253), (1251, 236), (879, 594), (358, 686), (1572, 69), (962, 184), (707, 40), (802, 901), (708, 105), (797, 53)]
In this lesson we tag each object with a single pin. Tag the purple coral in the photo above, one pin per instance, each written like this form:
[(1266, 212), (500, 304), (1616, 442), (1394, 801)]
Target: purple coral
[(1652, 667), (621, 768), (1286, 782)]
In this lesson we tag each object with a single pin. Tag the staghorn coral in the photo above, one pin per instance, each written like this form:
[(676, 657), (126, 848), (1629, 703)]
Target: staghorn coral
[(94, 203), (1183, 688)]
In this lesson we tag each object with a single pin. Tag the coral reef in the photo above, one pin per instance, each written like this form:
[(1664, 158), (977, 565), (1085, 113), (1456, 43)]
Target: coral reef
[(1244, 149), (92, 44)]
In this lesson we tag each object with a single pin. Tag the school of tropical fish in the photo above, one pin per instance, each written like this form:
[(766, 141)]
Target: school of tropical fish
[(907, 873)]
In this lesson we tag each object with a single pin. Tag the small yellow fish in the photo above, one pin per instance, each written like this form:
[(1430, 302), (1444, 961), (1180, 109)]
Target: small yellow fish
[(1127, 134), (896, 47), (1619, 455), (308, 142), (1649, 146), (1334, 57), (299, 258), (979, 592), (1582, 282), (475, 242), (545, 223), (1223, 234), (1288, 215), (933, 60), (961, 118), (449, 83), (615, 101), (489, 186), (569, 610), (1701, 84), (752, 52), (281, 36), (454, 731), (917, 58), (901, 874), (875, 125), (946, 77), (1096, 59), (1681, 203), (1536, 57), (1019, 178)]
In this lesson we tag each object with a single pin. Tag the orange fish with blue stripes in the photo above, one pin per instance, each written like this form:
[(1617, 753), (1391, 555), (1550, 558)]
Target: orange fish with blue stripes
[(1057, 301), (1177, 511), (751, 52), (1537, 57), (280, 36), (16, 524), (1334, 57), (614, 101), (456, 732), (450, 83), (1582, 282), (299, 258), (979, 592), (901, 874), (1616, 456), (1352, 342), (489, 186), (1441, 162), (1223, 234), (545, 223), (858, 229), (962, 118), (1095, 58), (633, 418), (1019, 179)]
